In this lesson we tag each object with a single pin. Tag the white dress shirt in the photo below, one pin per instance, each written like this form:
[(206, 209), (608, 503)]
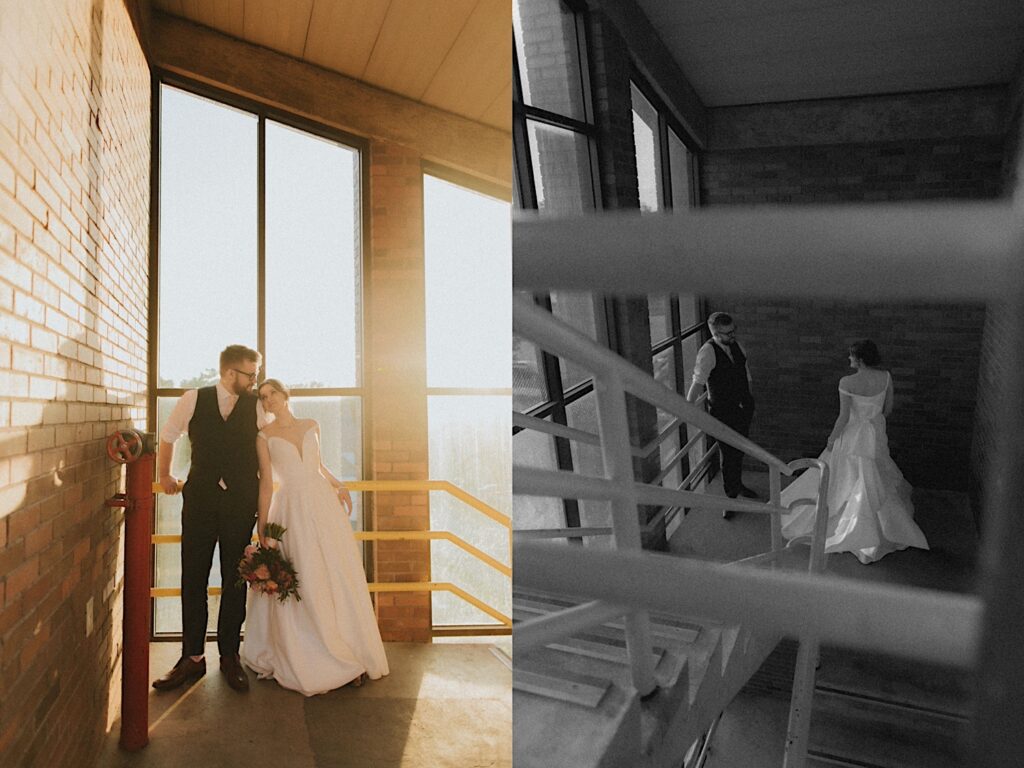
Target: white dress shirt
[(177, 423)]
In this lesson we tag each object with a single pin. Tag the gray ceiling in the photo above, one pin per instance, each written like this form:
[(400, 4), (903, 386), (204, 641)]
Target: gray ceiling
[(755, 51)]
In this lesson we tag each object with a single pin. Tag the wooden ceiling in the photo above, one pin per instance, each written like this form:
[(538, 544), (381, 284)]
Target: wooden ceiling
[(742, 52), (455, 55)]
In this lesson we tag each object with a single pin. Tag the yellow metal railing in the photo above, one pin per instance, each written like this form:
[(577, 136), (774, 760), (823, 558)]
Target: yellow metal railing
[(419, 586)]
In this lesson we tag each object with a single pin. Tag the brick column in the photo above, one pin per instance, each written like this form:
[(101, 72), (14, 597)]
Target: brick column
[(613, 114), (397, 377)]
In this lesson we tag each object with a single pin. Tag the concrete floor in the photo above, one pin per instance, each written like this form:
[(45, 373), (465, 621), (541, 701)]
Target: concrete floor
[(943, 516), (444, 705), (751, 733)]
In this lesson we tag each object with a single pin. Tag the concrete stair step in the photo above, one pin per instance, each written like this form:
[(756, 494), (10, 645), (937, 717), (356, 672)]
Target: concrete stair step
[(549, 731), (585, 682), (866, 732), (561, 684), (885, 678), (605, 656)]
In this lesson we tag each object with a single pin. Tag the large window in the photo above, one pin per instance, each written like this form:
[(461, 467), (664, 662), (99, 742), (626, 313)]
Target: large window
[(468, 270), (259, 243), (664, 181), (554, 133), (555, 156), (664, 164)]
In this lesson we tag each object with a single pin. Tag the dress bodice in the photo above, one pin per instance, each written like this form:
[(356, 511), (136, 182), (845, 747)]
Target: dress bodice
[(865, 407), (864, 433), (289, 462)]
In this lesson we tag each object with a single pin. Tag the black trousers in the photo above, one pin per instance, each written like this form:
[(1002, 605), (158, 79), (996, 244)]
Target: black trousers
[(739, 419), (209, 519)]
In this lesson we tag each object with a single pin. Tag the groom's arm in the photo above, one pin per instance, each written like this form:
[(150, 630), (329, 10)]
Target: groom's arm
[(701, 370), (175, 426)]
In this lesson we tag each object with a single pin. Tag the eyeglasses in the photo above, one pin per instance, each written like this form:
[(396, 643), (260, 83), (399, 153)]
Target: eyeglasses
[(251, 376)]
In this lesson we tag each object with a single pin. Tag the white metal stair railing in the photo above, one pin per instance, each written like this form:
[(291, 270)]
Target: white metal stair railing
[(613, 378), (666, 517), (947, 250)]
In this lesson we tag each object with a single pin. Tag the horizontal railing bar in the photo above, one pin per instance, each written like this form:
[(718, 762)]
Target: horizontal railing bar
[(559, 533), (376, 586), (414, 485), (554, 428), (436, 536), (542, 630), (469, 630), (675, 459), (531, 481), (175, 538), (558, 338), (874, 251), (904, 621), (693, 440), (699, 468), (560, 430), (761, 559), (431, 485), (470, 391), (661, 437), (569, 533)]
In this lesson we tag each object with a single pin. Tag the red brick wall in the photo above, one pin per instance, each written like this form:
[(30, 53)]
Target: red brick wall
[(74, 218), (797, 348), (74, 200), (797, 352), (913, 169), (397, 378)]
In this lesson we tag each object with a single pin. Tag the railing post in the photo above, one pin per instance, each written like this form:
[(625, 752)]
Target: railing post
[(799, 729), (618, 467), (775, 497)]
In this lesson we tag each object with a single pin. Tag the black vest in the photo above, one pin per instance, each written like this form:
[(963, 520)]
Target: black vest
[(727, 384), (224, 449)]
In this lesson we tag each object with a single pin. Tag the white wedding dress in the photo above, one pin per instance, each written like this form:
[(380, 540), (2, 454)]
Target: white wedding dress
[(870, 512), (330, 637)]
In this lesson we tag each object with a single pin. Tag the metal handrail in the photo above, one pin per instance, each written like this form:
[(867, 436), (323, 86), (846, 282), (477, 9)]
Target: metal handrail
[(716, 250), (525, 421), (540, 327), (530, 481), (904, 621), (401, 485), (614, 378)]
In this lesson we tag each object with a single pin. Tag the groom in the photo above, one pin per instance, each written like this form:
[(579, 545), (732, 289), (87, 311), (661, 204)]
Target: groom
[(721, 365), (219, 507)]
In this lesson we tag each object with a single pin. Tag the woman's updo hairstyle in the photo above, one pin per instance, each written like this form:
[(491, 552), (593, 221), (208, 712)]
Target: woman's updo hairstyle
[(276, 385), (866, 352)]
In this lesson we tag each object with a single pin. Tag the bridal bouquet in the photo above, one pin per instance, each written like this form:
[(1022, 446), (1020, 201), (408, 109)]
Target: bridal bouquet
[(267, 571)]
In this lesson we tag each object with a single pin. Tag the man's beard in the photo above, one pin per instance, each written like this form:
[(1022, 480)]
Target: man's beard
[(241, 389)]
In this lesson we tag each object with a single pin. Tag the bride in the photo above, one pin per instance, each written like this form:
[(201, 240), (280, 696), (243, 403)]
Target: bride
[(330, 637), (870, 512)]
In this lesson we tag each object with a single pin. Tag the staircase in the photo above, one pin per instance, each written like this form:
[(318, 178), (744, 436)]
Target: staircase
[(574, 702), (581, 666)]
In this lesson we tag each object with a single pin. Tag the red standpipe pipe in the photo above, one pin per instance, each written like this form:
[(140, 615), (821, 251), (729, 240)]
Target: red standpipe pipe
[(138, 519)]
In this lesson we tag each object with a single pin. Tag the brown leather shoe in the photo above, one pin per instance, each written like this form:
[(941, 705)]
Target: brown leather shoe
[(184, 670), (231, 667)]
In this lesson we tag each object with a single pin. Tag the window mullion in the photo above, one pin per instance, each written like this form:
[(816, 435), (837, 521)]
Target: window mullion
[(261, 240)]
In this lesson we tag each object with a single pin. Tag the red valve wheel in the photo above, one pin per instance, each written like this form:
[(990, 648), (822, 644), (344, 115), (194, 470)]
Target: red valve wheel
[(125, 446)]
